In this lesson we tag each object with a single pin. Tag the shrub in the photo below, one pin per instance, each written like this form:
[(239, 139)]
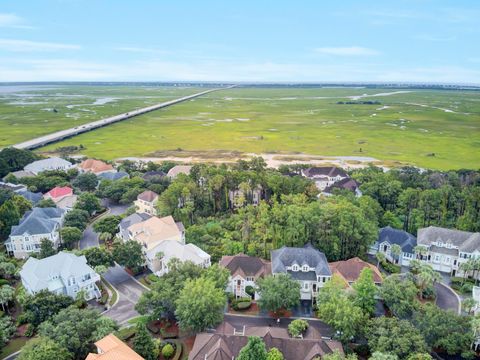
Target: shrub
[(4, 282), (168, 351), (244, 305), (250, 290), (153, 328), (152, 278), (429, 293), (297, 327), (391, 268), (30, 330), (467, 288)]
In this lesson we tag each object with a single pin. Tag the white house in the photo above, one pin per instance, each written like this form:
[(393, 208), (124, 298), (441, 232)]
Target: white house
[(53, 163), (389, 236), (160, 256), (36, 224), (63, 273), (324, 176), (146, 202), (244, 271), (163, 239), (306, 265), (447, 249)]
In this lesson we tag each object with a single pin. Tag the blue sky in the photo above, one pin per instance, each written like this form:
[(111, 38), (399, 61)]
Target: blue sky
[(297, 41)]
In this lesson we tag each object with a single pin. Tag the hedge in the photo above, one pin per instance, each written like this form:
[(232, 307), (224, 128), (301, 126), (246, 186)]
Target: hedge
[(391, 268)]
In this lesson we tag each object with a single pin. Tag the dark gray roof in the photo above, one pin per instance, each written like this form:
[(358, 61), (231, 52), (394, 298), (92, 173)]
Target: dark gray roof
[(394, 236), (464, 240), (153, 174), (302, 276), (346, 184), (112, 175), (31, 196), (443, 250), (330, 171), (44, 213), (133, 219), (287, 256), (12, 187)]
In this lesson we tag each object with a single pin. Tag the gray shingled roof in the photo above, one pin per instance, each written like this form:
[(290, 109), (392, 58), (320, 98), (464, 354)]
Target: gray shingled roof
[(287, 256), (324, 171), (464, 240), (31, 196), (444, 250), (112, 175), (52, 163), (394, 236), (38, 273), (133, 219), (38, 221)]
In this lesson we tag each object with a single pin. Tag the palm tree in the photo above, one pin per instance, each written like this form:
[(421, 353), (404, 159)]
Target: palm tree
[(415, 266), (420, 250), (396, 250), (6, 295), (426, 277), (466, 267), (380, 258)]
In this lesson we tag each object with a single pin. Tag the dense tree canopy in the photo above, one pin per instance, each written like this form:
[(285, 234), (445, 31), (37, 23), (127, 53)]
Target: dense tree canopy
[(400, 295), (44, 349), (278, 293), (44, 305)]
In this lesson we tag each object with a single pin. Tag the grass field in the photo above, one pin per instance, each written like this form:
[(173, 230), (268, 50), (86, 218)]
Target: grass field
[(429, 128)]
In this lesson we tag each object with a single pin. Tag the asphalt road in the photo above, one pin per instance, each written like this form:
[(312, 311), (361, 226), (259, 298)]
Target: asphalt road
[(446, 298), (90, 237), (129, 292)]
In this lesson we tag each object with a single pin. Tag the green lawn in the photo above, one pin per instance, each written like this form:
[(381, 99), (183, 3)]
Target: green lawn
[(13, 346), (430, 128)]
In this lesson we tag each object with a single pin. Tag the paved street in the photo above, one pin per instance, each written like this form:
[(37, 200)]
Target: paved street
[(446, 298), (90, 237), (129, 291)]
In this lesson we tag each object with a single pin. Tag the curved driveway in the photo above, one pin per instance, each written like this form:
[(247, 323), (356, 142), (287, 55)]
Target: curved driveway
[(447, 299), (129, 291)]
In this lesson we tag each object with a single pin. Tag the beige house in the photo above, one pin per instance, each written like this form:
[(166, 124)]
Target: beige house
[(95, 166), (112, 348), (152, 232), (146, 202)]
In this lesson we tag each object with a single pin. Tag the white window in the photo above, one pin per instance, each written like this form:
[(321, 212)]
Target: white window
[(437, 258), (305, 268), (306, 285), (447, 260), (250, 278), (295, 267)]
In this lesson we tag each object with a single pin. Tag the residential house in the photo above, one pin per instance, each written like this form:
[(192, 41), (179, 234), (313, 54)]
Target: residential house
[(95, 166), (34, 198), (12, 187), (63, 197), (343, 184), (227, 340), (447, 249), (306, 265), (36, 224), (53, 163), (166, 237), (389, 236), (239, 197), (20, 174), (135, 218), (350, 270), (152, 175), (62, 273), (112, 348), (179, 169), (158, 259), (112, 176), (146, 202), (244, 271), (324, 176)]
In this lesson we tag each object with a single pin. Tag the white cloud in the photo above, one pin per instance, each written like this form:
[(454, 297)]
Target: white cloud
[(13, 21), (19, 69), (27, 45), (347, 51)]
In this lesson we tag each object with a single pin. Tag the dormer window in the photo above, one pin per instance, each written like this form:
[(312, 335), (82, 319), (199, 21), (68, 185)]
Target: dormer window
[(304, 268), (295, 267)]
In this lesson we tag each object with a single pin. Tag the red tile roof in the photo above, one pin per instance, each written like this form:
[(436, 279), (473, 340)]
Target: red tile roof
[(95, 166), (58, 192)]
